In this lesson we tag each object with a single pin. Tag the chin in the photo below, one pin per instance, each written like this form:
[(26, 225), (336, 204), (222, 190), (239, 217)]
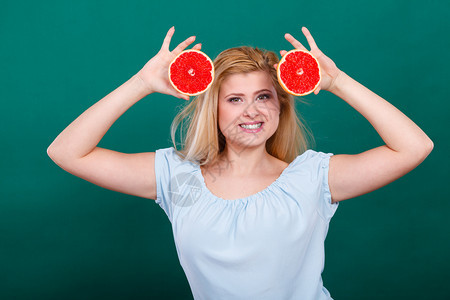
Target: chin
[(241, 145)]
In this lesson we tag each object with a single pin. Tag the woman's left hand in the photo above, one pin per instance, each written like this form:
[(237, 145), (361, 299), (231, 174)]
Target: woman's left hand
[(328, 68)]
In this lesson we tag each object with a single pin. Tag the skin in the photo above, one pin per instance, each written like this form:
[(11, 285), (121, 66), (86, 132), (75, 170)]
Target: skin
[(406, 145), (246, 98), (245, 163), (75, 148)]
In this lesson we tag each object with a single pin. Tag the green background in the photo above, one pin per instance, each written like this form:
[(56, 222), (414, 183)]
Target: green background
[(64, 238)]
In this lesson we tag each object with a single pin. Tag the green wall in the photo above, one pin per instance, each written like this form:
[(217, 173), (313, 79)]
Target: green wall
[(64, 238)]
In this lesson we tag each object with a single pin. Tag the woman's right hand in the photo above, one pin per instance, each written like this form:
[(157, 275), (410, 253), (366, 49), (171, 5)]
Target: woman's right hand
[(155, 73)]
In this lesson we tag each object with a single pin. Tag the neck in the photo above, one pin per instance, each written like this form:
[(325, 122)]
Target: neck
[(243, 161)]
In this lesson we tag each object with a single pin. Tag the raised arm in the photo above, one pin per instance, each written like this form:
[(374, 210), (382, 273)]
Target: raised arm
[(75, 148), (406, 144)]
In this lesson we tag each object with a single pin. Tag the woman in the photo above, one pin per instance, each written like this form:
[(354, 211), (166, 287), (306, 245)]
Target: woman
[(248, 203)]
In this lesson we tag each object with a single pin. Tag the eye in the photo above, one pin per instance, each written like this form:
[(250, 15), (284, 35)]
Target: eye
[(264, 96), (232, 99)]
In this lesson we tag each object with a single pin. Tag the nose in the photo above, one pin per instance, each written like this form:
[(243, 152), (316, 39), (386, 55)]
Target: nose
[(251, 111)]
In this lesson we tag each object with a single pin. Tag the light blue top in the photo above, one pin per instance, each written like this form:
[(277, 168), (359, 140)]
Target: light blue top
[(269, 245)]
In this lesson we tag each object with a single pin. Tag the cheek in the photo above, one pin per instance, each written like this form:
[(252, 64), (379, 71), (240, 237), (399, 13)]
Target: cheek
[(225, 116), (272, 111)]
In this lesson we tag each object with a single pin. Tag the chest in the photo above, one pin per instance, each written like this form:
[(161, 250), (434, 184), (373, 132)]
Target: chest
[(213, 227), (229, 187)]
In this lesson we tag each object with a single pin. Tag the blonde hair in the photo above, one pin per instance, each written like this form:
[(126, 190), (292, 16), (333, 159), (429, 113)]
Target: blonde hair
[(203, 140)]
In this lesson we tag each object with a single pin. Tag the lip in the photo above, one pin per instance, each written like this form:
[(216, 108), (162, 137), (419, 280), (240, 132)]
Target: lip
[(252, 130), (251, 123)]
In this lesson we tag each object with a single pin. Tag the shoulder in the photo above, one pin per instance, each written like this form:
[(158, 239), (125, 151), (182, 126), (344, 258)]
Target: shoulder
[(313, 157), (310, 178), (170, 158), (169, 152), (310, 165), (278, 164)]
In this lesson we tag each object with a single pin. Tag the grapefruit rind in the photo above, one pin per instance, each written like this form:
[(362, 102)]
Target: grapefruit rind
[(212, 73), (283, 84)]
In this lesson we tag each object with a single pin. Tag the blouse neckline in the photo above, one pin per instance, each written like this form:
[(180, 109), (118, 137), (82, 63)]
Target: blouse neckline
[(250, 197)]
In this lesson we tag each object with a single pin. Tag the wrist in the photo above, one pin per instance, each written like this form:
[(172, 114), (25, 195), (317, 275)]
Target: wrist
[(141, 85), (338, 82)]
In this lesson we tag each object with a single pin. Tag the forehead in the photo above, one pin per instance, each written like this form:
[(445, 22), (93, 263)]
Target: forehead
[(246, 83)]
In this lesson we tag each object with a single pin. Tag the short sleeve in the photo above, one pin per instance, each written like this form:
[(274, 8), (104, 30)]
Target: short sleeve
[(316, 166), (172, 175), (166, 161), (326, 207)]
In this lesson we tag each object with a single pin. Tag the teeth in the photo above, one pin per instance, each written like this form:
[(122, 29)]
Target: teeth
[(254, 126)]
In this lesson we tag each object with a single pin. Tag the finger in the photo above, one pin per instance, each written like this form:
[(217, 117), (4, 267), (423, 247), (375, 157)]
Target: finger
[(183, 45), (283, 52), (317, 90), (180, 95), (294, 42), (275, 65), (309, 38), (197, 47), (166, 43)]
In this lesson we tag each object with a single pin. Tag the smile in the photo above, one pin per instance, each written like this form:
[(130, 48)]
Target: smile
[(251, 126)]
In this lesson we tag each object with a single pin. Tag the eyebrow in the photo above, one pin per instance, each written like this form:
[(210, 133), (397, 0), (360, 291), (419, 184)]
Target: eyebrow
[(257, 92)]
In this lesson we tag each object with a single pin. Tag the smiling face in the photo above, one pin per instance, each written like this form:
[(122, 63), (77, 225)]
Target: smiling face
[(248, 109)]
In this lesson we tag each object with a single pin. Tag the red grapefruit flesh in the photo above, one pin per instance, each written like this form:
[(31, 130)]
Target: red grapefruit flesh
[(298, 72), (191, 72)]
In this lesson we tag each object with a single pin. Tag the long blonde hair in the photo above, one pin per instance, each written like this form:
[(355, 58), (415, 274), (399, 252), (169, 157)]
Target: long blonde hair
[(203, 142)]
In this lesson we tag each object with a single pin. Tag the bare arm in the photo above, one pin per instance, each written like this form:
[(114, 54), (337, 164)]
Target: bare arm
[(406, 144), (82, 136), (75, 148)]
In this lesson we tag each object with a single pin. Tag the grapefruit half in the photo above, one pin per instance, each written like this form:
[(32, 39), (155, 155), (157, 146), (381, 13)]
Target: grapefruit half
[(191, 72), (298, 72)]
